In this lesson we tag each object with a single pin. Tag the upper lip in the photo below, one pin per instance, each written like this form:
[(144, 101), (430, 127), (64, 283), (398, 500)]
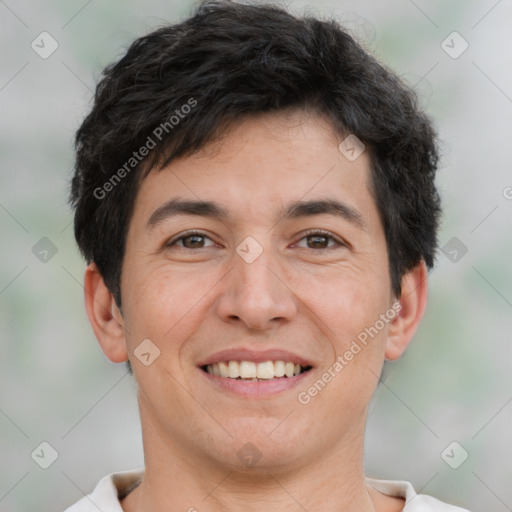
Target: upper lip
[(256, 356)]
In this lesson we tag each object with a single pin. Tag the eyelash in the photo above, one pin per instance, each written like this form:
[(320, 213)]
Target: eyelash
[(309, 233)]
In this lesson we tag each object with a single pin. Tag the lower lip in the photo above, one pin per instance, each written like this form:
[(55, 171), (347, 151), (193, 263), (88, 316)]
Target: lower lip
[(256, 389)]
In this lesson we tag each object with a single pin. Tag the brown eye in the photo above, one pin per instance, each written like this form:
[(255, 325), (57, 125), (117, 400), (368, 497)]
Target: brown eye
[(320, 240), (191, 240)]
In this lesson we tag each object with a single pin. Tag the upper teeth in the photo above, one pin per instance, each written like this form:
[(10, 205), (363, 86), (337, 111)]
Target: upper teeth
[(249, 369)]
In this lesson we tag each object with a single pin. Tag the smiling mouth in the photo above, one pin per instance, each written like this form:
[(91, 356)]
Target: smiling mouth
[(250, 371)]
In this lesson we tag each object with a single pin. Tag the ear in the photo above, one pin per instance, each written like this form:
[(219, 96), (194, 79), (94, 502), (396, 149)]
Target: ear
[(104, 315), (413, 300)]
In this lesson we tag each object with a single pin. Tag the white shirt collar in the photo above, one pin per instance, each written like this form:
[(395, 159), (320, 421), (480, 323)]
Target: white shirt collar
[(115, 486)]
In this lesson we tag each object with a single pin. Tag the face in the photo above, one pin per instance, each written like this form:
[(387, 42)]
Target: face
[(286, 261)]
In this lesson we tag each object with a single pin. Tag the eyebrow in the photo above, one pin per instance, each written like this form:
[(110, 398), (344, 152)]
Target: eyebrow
[(297, 209), (186, 207), (293, 210)]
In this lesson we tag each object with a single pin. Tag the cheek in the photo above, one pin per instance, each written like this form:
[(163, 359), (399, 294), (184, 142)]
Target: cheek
[(160, 302), (169, 306), (347, 305), (344, 300)]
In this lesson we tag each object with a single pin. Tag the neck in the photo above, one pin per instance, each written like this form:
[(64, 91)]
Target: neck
[(176, 478)]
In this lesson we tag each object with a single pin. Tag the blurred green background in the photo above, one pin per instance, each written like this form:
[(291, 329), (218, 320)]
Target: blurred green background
[(453, 384)]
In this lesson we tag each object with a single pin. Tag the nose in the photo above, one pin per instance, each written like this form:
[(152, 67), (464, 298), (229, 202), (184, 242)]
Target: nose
[(257, 293)]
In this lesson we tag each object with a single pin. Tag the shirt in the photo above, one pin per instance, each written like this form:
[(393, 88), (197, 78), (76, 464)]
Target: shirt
[(116, 486)]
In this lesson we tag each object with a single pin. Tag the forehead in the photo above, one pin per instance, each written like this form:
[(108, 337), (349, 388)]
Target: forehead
[(262, 164)]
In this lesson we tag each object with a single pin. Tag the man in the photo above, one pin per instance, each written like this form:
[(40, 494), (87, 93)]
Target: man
[(255, 197)]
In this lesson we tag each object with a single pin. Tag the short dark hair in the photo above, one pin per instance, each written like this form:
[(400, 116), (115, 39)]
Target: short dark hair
[(229, 61)]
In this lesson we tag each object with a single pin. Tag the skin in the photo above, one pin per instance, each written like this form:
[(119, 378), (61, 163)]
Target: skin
[(309, 296)]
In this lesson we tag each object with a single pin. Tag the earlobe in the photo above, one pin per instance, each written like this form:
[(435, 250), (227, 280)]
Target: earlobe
[(104, 316), (413, 300)]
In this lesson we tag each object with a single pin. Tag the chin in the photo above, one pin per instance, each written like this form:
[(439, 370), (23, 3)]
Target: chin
[(260, 446)]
